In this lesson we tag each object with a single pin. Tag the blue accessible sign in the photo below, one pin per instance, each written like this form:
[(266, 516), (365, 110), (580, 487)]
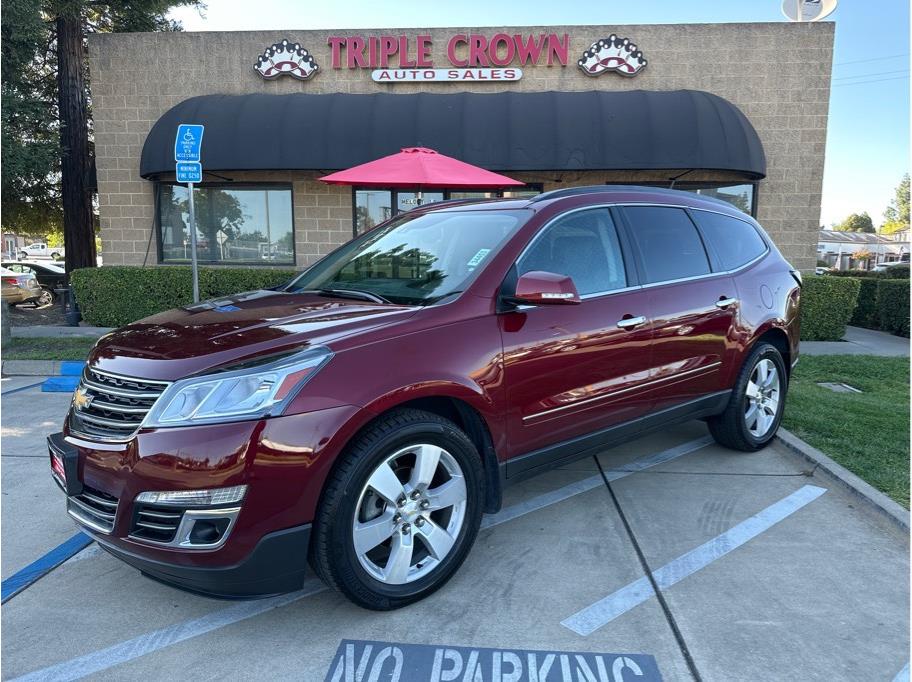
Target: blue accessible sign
[(188, 142), (189, 171)]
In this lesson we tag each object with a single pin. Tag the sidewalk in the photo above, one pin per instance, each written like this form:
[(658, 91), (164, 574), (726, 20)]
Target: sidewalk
[(860, 341)]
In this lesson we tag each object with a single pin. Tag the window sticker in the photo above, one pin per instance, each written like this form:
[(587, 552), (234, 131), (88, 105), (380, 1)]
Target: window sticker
[(478, 257)]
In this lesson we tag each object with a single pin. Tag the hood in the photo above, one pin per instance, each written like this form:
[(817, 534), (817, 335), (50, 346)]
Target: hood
[(184, 341)]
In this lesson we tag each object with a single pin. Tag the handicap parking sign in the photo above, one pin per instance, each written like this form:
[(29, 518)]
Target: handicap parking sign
[(189, 172), (188, 142)]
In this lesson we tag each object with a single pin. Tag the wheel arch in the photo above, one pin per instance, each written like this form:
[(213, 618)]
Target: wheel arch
[(778, 338)]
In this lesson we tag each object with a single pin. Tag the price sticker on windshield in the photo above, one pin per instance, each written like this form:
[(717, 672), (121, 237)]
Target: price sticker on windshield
[(478, 257)]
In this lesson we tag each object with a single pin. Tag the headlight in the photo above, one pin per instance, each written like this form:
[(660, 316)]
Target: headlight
[(238, 394), (203, 498)]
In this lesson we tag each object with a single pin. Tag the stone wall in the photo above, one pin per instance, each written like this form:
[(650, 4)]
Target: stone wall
[(778, 74)]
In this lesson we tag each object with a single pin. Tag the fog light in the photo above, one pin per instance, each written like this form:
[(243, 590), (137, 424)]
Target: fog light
[(208, 532), (192, 498)]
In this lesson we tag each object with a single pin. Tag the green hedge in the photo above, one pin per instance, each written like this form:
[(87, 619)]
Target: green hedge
[(893, 305), (827, 304), (113, 296), (897, 272), (861, 274), (866, 313)]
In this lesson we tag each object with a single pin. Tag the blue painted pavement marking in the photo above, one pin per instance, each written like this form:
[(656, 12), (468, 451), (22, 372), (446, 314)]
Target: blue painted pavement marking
[(42, 566), (21, 388), (902, 675), (65, 384), (159, 639), (587, 484), (72, 368), (605, 610)]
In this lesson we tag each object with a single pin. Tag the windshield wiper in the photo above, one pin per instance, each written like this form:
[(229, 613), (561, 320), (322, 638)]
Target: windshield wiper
[(354, 293)]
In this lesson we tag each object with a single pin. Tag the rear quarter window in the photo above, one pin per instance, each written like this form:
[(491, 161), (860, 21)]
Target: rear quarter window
[(735, 242)]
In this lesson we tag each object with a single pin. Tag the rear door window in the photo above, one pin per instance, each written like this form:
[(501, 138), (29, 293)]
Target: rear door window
[(583, 245), (736, 242), (668, 243)]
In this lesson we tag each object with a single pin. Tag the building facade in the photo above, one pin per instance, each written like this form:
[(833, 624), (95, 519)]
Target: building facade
[(738, 111), (861, 250)]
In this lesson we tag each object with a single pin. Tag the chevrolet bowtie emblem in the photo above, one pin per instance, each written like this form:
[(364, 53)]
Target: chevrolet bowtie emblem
[(81, 399)]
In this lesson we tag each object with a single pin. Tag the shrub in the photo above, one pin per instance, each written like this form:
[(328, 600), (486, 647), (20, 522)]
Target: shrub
[(893, 305), (827, 304), (113, 296), (856, 273), (897, 272), (866, 313)]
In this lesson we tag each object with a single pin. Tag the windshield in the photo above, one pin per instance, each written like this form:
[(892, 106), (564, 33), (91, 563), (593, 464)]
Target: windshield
[(415, 259)]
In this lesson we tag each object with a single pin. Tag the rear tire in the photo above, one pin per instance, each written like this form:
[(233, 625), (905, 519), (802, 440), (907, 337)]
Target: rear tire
[(755, 408), (400, 512)]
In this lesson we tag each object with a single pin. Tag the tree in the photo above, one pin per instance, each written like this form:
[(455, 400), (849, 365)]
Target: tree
[(897, 213), (46, 181), (856, 223)]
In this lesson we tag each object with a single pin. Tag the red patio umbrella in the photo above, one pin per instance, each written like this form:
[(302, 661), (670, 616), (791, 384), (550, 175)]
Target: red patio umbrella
[(420, 168)]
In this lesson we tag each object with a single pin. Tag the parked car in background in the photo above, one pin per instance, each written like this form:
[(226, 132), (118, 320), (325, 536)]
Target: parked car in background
[(363, 417), (41, 250), (883, 267), (49, 276), (22, 288)]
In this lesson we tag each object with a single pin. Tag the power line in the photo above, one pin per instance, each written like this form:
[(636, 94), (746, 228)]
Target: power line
[(878, 80), (874, 73), (872, 59)]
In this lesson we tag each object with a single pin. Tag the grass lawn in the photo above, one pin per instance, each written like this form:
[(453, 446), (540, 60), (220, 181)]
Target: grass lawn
[(867, 433), (72, 348)]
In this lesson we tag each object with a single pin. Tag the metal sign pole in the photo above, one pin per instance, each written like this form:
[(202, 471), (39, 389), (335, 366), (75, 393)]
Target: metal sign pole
[(196, 293)]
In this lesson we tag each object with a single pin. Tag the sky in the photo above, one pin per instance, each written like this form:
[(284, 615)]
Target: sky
[(868, 131)]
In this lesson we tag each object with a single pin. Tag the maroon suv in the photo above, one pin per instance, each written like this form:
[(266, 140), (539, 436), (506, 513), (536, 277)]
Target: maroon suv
[(362, 418)]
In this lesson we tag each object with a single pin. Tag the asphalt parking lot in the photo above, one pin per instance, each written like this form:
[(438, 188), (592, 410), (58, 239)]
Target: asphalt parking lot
[(763, 573)]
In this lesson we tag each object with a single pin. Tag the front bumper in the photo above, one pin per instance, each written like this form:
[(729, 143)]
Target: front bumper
[(283, 461), (277, 564)]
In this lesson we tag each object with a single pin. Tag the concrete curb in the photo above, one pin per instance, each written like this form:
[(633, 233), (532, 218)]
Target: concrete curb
[(865, 492), (52, 332), (30, 368)]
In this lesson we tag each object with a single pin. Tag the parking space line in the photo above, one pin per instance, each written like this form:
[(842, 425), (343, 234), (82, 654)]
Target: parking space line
[(560, 494), (159, 639), (21, 388), (602, 612), (902, 675), (42, 566), (82, 666)]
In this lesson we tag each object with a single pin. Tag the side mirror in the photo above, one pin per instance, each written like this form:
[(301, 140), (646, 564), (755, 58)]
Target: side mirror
[(545, 288)]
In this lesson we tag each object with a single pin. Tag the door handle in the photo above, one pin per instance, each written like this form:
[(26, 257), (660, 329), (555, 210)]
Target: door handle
[(725, 302), (631, 322)]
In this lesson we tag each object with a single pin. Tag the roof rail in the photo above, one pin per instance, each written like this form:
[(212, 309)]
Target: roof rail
[(596, 189)]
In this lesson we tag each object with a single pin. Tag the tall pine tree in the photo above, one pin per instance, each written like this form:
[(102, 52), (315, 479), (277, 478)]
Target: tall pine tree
[(46, 119)]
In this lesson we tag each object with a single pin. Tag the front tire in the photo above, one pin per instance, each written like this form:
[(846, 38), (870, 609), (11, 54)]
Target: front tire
[(754, 411), (400, 512)]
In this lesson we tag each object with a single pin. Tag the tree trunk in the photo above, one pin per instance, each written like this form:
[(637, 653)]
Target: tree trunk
[(78, 228)]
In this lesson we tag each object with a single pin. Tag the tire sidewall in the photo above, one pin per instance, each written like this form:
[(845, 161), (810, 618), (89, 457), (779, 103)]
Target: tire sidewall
[(763, 352), (348, 567)]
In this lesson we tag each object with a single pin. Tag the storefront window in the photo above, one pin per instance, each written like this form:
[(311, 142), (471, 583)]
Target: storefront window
[(739, 196), (234, 224), (373, 206), (406, 201)]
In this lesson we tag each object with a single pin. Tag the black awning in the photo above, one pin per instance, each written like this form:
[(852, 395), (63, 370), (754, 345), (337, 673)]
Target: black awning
[(505, 131)]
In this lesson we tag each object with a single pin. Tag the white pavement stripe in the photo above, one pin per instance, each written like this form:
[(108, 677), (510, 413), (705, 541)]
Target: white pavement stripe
[(587, 484), (153, 641), (605, 610), (902, 675), (78, 668)]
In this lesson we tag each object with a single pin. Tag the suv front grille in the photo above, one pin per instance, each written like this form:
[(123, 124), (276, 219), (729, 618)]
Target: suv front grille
[(156, 524), (94, 508), (112, 407)]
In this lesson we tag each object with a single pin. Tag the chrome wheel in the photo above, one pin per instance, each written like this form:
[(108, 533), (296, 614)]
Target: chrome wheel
[(409, 514), (763, 394)]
